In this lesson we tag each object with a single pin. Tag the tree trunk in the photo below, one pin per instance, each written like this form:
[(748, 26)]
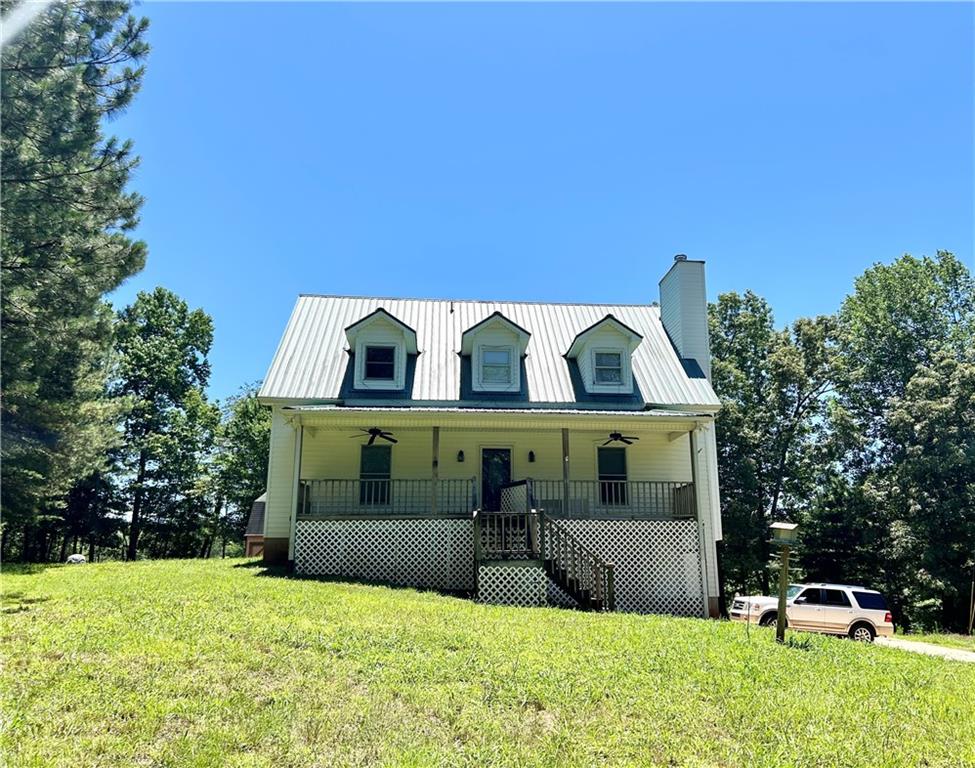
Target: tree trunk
[(64, 549), (91, 549), (134, 527)]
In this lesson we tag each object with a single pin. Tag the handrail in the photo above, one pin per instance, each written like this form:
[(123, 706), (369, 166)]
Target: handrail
[(636, 499), (581, 571), (380, 497)]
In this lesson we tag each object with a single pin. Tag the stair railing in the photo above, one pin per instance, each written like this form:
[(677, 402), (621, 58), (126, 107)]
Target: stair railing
[(586, 576)]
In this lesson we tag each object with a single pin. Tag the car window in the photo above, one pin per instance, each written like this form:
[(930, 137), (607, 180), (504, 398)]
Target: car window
[(792, 591), (810, 597), (871, 601), (835, 597)]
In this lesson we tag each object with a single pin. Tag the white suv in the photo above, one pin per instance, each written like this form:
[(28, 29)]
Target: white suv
[(833, 609)]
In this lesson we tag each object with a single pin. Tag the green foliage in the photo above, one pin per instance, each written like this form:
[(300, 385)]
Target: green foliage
[(214, 663), (170, 427), (773, 386), (242, 457), (67, 218)]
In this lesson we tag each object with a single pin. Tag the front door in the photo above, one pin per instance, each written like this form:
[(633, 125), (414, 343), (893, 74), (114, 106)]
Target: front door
[(806, 611), (495, 472)]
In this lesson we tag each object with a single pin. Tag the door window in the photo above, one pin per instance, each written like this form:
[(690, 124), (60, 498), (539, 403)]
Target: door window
[(374, 469), (809, 597), (836, 597), (612, 475), (495, 472)]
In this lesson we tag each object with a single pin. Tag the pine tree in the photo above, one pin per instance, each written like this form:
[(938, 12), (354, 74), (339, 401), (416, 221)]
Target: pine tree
[(66, 242)]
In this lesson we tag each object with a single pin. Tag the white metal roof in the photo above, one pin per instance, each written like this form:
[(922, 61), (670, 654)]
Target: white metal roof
[(311, 361)]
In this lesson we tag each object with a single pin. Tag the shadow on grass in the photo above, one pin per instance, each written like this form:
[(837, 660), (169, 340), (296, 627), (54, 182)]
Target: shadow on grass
[(252, 564), (286, 572), (27, 569)]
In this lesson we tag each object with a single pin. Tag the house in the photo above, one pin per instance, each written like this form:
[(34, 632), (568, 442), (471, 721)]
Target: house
[(525, 452), (254, 534)]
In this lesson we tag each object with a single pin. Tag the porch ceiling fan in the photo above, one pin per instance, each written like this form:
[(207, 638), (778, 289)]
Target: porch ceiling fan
[(375, 432), (617, 437)]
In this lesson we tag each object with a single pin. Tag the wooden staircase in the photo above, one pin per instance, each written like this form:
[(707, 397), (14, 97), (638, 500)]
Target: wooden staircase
[(523, 535), (577, 570)]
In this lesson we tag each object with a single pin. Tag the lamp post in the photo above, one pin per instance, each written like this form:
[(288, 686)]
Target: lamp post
[(784, 537)]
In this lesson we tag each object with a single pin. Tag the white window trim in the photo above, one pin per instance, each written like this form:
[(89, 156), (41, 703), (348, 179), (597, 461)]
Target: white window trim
[(513, 385), (398, 382), (625, 386)]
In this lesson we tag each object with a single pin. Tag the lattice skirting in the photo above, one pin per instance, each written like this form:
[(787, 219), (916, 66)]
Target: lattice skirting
[(657, 563), (428, 554), (511, 585)]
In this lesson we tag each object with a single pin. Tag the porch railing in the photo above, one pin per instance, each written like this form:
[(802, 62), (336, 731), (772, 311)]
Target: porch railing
[(642, 499), (385, 498)]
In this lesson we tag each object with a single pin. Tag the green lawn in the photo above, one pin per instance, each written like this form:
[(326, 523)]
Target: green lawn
[(947, 639), (190, 663)]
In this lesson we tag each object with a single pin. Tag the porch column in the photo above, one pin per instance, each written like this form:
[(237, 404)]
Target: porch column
[(565, 471), (435, 472), (296, 486)]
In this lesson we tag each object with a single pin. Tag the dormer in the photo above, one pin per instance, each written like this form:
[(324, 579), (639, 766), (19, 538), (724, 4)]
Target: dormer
[(380, 345), (495, 346), (602, 353)]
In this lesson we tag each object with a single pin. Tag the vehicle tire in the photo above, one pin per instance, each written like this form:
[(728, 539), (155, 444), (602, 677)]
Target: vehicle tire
[(768, 619), (862, 633)]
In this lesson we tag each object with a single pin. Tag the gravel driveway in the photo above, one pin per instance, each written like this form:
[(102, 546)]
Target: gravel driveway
[(955, 654)]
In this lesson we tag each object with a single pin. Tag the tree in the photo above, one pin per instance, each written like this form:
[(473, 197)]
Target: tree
[(773, 386), (241, 463), (899, 470), (163, 371), (66, 224)]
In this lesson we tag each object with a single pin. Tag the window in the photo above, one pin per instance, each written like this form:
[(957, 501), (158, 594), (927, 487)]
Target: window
[(374, 465), (836, 597), (496, 365), (612, 475), (871, 601), (608, 368), (380, 363), (810, 597)]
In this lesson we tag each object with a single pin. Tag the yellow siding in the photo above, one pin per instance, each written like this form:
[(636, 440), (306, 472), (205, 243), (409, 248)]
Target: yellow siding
[(334, 454), (280, 477)]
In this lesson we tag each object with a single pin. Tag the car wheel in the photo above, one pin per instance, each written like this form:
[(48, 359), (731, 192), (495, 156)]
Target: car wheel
[(862, 633), (768, 619)]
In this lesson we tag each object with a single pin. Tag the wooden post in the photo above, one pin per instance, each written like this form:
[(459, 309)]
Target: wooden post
[(296, 487), (783, 586), (565, 472), (435, 472), (610, 587)]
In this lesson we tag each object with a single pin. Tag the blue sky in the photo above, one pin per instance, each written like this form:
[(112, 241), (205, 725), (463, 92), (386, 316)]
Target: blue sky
[(543, 152)]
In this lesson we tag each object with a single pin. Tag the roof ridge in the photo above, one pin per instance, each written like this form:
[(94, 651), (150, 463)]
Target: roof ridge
[(474, 301)]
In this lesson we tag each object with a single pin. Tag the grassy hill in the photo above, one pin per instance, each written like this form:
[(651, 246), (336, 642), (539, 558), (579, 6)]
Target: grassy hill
[(190, 663)]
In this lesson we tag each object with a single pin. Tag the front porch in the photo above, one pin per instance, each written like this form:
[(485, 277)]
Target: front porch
[(423, 507)]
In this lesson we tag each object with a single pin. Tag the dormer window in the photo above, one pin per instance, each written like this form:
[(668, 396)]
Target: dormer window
[(603, 353), (380, 346), (496, 365), (495, 347), (380, 364), (608, 367)]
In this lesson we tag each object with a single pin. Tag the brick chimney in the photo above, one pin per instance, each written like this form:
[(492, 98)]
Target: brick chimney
[(684, 314)]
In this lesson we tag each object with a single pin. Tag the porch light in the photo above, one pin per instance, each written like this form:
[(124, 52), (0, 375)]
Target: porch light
[(460, 457), (531, 457)]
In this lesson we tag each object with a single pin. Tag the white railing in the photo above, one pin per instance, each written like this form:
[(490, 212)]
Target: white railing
[(637, 499)]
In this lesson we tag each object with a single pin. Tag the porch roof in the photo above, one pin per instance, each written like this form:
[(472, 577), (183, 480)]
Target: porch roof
[(656, 419)]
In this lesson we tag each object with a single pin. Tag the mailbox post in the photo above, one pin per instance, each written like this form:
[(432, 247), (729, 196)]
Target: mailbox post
[(784, 537)]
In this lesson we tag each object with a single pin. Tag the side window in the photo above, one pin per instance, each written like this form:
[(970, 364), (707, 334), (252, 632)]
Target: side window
[(835, 597), (608, 368), (380, 364), (374, 469), (871, 601), (811, 596), (612, 475)]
